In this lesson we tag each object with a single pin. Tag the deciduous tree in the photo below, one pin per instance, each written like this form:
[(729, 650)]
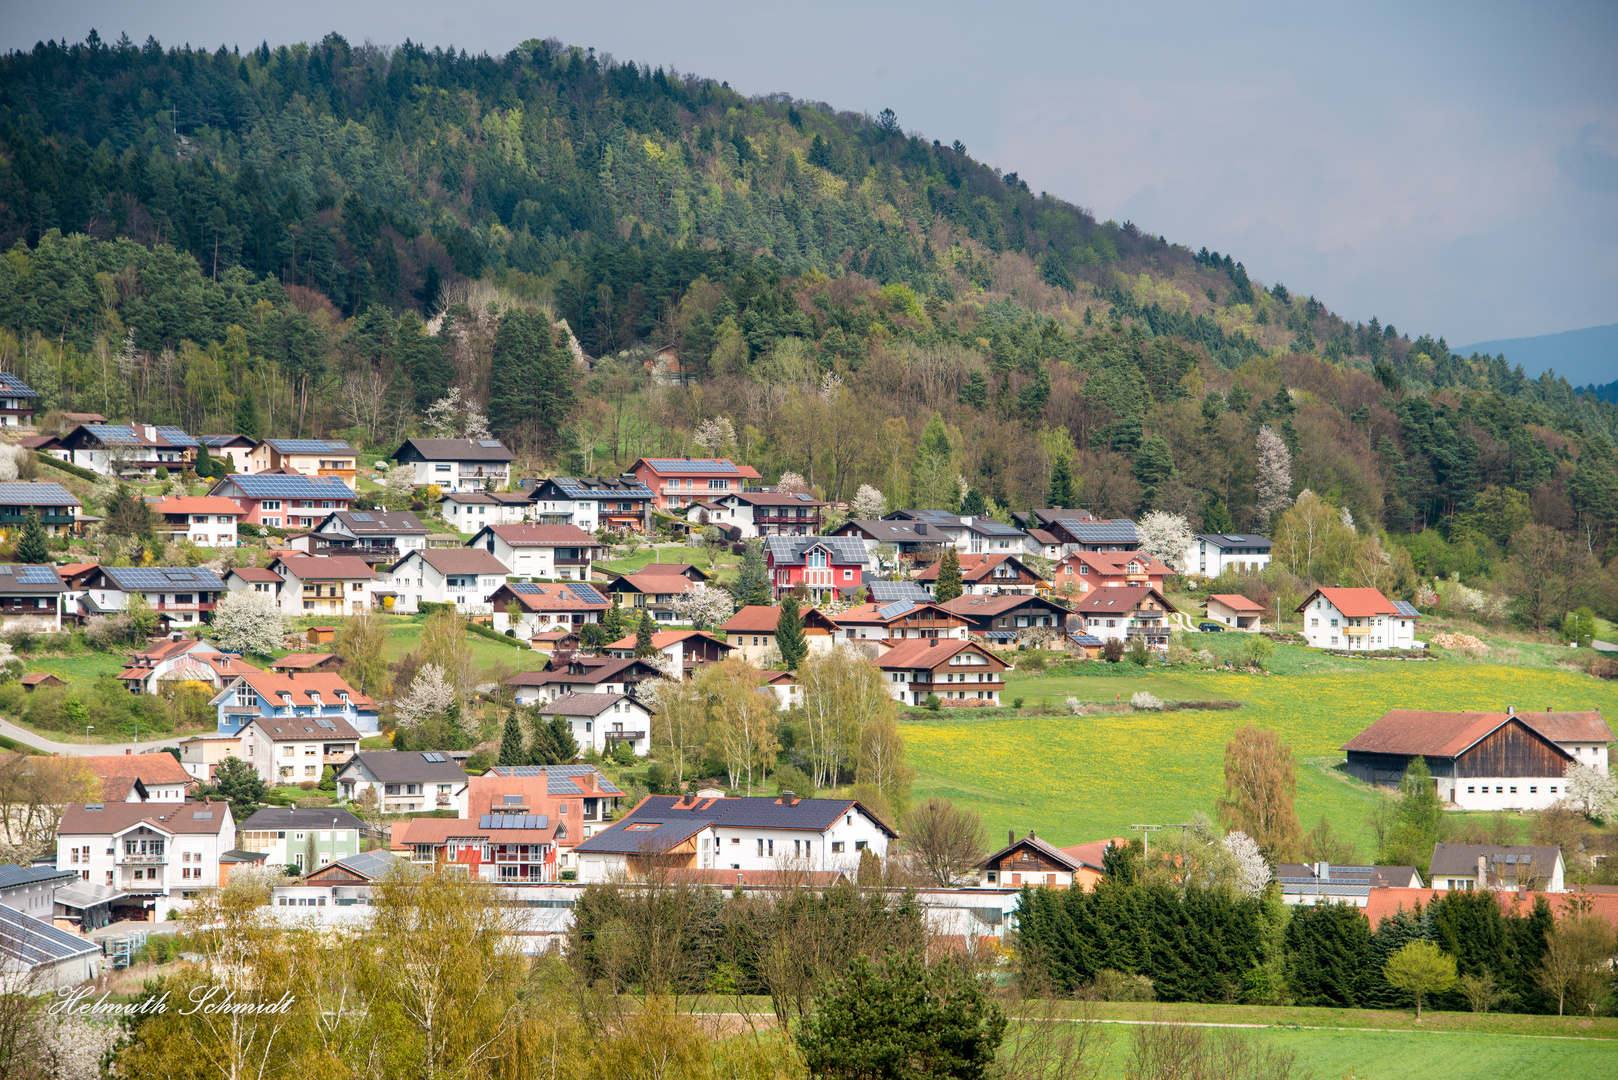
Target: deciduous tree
[(248, 622), (943, 840), (705, 606), (360, 640), (1261, 785), (1420, 968)]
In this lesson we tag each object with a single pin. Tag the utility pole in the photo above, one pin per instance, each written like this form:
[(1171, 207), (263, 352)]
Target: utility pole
[(1145, 838)]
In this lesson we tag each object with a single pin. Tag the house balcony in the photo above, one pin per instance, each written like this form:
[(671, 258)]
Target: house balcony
[(184, 607), (1149, 613), (562, 561), (1356, 631), (785, 519), (630, 735), (10, 518), (142, 860), (19, 609), (1147, 632)]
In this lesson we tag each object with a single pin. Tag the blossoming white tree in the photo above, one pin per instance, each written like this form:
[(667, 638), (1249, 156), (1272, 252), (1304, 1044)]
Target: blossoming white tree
[(792, 483), (1252, 872), (430, 695), (399, 486), (705, 606), (1274, 472), (868, 503), (1166, 537), (248, 622), (715, 434), (1592, 792)]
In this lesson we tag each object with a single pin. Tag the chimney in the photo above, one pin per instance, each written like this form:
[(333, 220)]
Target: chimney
[(1511, 710), (1547, 708), (1323, 871), (1011, 837), (932, 643), (921, 528), (1483, 871), (128, 752), (789, 798)]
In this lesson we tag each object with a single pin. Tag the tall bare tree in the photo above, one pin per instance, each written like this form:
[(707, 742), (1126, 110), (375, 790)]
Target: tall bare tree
[(943, 840), (1261, 786)]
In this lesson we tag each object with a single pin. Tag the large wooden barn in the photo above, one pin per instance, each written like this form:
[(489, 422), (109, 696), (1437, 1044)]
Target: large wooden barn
[(1482, 761)]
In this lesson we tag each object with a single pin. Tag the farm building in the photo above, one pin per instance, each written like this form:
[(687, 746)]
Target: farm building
[(1236, 612), (1482, 761)]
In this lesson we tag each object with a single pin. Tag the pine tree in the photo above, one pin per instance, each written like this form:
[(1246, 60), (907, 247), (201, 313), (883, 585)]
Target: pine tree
[(247, 419), (948, 586), (616, 623), (753, 579), (512, 751), (1061, 494), (32, 548), (204, 465), (643, 636), (789, 636)]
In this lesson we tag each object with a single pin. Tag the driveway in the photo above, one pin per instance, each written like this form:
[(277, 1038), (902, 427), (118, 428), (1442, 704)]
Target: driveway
[(23, 735)]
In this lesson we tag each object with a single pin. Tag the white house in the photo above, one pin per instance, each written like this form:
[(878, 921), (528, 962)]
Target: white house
[(758, 833), (762, 513), (295, 749), (159, 854), (1357, 619), (469, 511), (465, 577), (181, 595), (1211, 554), (457, 464), (377, 536), (206, 520), (123, 449), (540, 551), (1235, 611), (601, 721), (1496, 866), (31, 598), (405, 780), (542, 607), (957, 671), (199, 754), (619, 503), (322, 585), (582, 675)]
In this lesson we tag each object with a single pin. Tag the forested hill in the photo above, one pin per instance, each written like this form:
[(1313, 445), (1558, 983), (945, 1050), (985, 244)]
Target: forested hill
[(326, 235)]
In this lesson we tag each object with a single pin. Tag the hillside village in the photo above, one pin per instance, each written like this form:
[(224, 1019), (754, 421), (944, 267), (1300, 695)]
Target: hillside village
[(320, 773)]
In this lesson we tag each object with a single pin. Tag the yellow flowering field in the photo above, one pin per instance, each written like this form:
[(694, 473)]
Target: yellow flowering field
[(1073, 779)]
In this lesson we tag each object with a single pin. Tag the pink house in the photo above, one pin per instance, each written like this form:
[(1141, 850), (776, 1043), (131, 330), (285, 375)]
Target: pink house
[(285, 500)]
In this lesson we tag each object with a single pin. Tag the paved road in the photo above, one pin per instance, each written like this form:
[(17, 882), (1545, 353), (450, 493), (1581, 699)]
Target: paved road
[(12, 731)]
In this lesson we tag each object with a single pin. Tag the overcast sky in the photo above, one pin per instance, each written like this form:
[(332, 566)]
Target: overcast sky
[(1452, 169)]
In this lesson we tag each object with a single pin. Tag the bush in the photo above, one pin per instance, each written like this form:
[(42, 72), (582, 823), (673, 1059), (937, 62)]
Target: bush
[(1113, 985), (793, 779), (934, 702), (623, 753), (1145, 702), (1113, 650), (1138, 653), (247, 528), (1075, 707), (161, 473), (1016, 703)]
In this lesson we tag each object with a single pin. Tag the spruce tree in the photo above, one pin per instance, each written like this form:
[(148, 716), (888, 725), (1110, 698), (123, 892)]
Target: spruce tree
[(789, 636), (32, 548), (753, 579), (948, 586), (614, 621), (512, 751), (643, 636), (204, 465), (247, 419), (1061, 494)]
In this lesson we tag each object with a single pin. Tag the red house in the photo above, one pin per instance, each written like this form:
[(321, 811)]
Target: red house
[(1082, 571), (823, 564), (677, 482)]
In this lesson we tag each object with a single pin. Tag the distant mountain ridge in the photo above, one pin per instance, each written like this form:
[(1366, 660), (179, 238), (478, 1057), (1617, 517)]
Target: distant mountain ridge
[(1583, 357)]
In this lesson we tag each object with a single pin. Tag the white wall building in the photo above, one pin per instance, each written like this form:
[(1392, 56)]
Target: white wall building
[(465, 577), (295, 749), (562, 552), (457, 464), (405, 780), (160, 854), (601, 721), (1358, 620), (1211, 554)]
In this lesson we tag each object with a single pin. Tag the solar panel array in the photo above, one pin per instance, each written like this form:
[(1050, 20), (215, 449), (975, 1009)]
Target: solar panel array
[(43, 493), (434, 757), (895, 609), (588, 593), (886, 591), (310, 446), (163, 577), (288, 486), (489, 443), (527, 588), (842, 550), (114, 433), (357, 516), (1102, 532), (218, 440), (514, 821), (1407, 609), (694, 465), (177, 436), (995, 528), (573, 489), (36, 575), (15, 386)]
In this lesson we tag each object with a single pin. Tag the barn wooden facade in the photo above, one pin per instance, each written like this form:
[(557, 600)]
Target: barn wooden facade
[(1479, 761)]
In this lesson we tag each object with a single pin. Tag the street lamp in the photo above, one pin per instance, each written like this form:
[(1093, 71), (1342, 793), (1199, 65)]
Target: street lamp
[(87, 729)]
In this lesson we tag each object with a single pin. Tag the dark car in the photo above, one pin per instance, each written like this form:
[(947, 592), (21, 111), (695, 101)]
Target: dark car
[(1210, 626)]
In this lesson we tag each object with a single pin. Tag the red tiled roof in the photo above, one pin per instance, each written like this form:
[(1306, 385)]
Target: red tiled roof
[(543, 535), (271, 686), (196, 504), (549, 597), (301, 661), (35, 677), (148, 768), (1388, 901), (1356, 603), (1092, 853), (662, 639), (323, 568), (1448, 734), (655, 584), (974, 568), (931, 652), (1120, 598), (437, 830), (1234, 602), (254, 573)]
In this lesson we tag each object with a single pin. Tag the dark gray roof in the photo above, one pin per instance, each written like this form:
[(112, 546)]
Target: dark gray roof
[(31, 942), (164, 578), (19, 578), (41, 493), (1055, 854), (1504, 860), (13, 876), (371, 865), (891, 532), (789, 550), (1230, 540), (1102, 532), (558, 778), (378, 522), (453, 450), (408, 766), (585, 704), (675, 823), (316, 818)]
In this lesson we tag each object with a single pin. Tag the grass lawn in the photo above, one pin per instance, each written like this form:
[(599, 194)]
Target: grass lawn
[(1076, 779), (83, 670)]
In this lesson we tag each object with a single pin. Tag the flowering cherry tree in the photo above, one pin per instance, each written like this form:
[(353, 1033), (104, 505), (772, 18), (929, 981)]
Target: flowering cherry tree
[(248, 622), (1252, 872), (705, 606)]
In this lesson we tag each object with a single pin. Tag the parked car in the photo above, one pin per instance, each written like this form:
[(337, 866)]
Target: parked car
[(1209, 626)]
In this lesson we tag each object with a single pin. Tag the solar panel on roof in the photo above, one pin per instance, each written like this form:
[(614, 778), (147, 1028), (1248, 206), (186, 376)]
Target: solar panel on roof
[(16, 387), (513, 821), (287, 486), (887, 591), (491, 443), (36, 575), (527, 588), (897, 608), (308, 446), (162, 577), (694, 465), (360, 517), (327, 724), (41, 493), (114, 433), (588, 593), (994, 528), (177, 436)]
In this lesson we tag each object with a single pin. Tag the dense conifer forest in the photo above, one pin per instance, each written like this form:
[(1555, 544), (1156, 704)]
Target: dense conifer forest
[(326, 239)]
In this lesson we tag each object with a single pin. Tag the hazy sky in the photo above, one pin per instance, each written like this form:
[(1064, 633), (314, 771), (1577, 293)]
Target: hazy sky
[(1452, 169)]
